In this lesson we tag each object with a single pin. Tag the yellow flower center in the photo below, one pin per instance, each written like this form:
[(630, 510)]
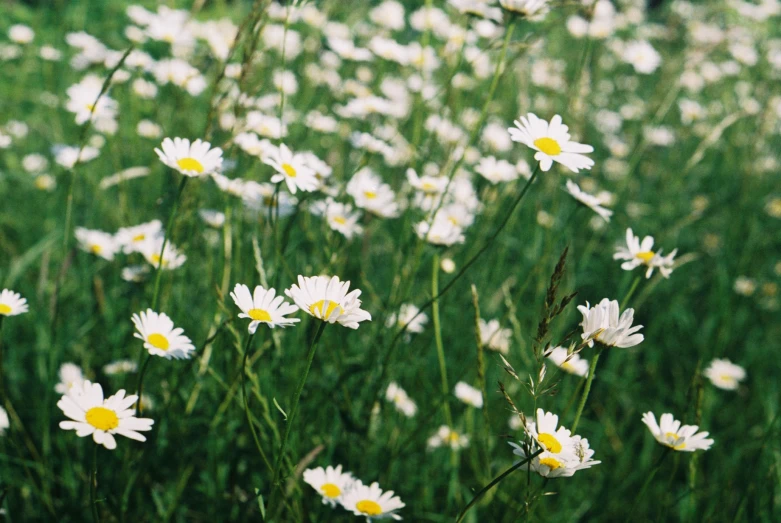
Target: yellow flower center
[(289, 170), (139, 238), (330, 490), (190, 164), (673, 436), (317, 308), (548, 145), (645, 256), (158, 341), (429, 187), (156, 260), (340, 220), (102, 418), (369, 507), (453, 437), (370, 195), (90, 107), (259, 315), (551, 463), (95, 249), (5, 309), (723, 377), (568, 366), (549, 442)]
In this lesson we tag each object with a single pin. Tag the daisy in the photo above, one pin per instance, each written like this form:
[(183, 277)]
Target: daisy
[(408, 315), (448, 437), (567, 362), (592, 202), (603, 324), (441, 231), (496, 171), (552, 143), (469, 395), (160, 337), (493, 336), (637, 253), (292, 168), (553, 439), (98, 243), (171, 259), (131, 238), (12, 303), (70, 376), (120, 367), (263, 307), (549, 465), (670, 433), (370, 501), (340, 217), (642, 56), (4, 421), (400, 400), (92, 415), (331, 483), (192, 160), (532, 9), (327, 299), (724, 374), (372, 195)]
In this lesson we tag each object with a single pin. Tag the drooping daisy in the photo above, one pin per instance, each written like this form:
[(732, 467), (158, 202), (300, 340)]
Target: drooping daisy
[(724, 374), (637, 253), (567, 362), (371, 502), (70, 376), (447, 437), (469, 395), (12, 303), (172, 258), (131, 238), (331, 483), (603, 324), (192, 160), (263, 307), (160, 336), (91, 415), (408, 315), (400, 399), (552, 143), (327, 299), (292, 169), (592, 202), (670, 433), (494, 337), (99, 243)]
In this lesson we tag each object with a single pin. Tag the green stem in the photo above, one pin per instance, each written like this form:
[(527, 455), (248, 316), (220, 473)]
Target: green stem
[(140, 387), (246, 401), (631, 291), (93, 485), (168, 228), (650, 478), (294, 410), (438, 339), (592, 368)]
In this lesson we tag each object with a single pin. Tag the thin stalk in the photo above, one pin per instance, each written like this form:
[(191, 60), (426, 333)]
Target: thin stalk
[(93, 484), (592, 368), (294, 410), (140, 387), (494, 482), (168, 228), (650, 478), (630, 292), (438, 339), (246, 401)]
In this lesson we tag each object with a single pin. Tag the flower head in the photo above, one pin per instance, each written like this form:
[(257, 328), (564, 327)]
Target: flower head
[(724, 374), (263, 306), (448, 437), (670, 433), (160, 337), (12, 303), (331, 483), (552, 143), (292, 169), (398, 396), (327, 299), (371, 502), (603, 324), (567, 362), (637, 253), (70, 376), (196, 159), (469, 395), (493, 336), (592, 202), (91, 415), (98, 243)]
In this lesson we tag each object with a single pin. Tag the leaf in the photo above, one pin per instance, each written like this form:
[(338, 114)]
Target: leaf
[(261, 505), (279, 408)]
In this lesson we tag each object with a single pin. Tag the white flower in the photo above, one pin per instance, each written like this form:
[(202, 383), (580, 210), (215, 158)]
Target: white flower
[(70, 376), (493, 336), (130, 239), (371, 194), (552, 143), (549, 465), (603, 324), (21, 34), (4, 422), (441, 231), (292, 168), (408, 315), (592, 202), (98, 243), (327, 299), (496, 171), (340, 217), (263, 307), (398, 396), (12, 303), (567, 362), (469, 395), (445, 436), (642, 56), (534, 10), (160, 337), (120, 367), (371, 502), (724, 374), (331, 483), (639, 253), (171, 259), (670, 433), (91, 415), (192, 160), (67, 156)]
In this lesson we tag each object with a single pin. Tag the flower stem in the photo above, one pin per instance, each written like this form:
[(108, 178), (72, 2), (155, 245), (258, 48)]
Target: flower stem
[(168, 229), (438, 339), (246, 401), (630, 292), (294, 410), (650, 477), (93, 484), (140, 387), (592, 368)]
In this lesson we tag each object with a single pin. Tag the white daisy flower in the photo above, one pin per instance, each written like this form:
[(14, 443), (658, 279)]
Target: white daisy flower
[(592, 202), (131, 238), (400, 399), (263, 306), (553, 439), (340, 217), (91, 415), (293, 169), (371, 194), (637, 253), (371, 502), (552, 143), (603, 324), (331, 483), (192, 160), (724, 374), (4, 421), (496, 171), (120, 367), (642, 56), (534, 10), (567, 362), (405, 316), (469, 395), (670, 433), (70, 376), (448, 437), (12, 303), (172, 258), (550, 465), (494, 337), (327, 299), (160, 337), (441, 231), (98, 243)]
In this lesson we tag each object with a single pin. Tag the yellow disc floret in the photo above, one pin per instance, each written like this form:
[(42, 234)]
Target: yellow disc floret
[(330, 490), (549, 442), (158, 341), (259, 315), (190, 164), (369, 507), (548, 145), (102, 418)]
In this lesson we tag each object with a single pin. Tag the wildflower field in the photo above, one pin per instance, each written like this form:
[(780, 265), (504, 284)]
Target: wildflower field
[(440, 261)]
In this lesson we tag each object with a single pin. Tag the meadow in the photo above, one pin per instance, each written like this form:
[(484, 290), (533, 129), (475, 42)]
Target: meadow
[(435, 260)]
